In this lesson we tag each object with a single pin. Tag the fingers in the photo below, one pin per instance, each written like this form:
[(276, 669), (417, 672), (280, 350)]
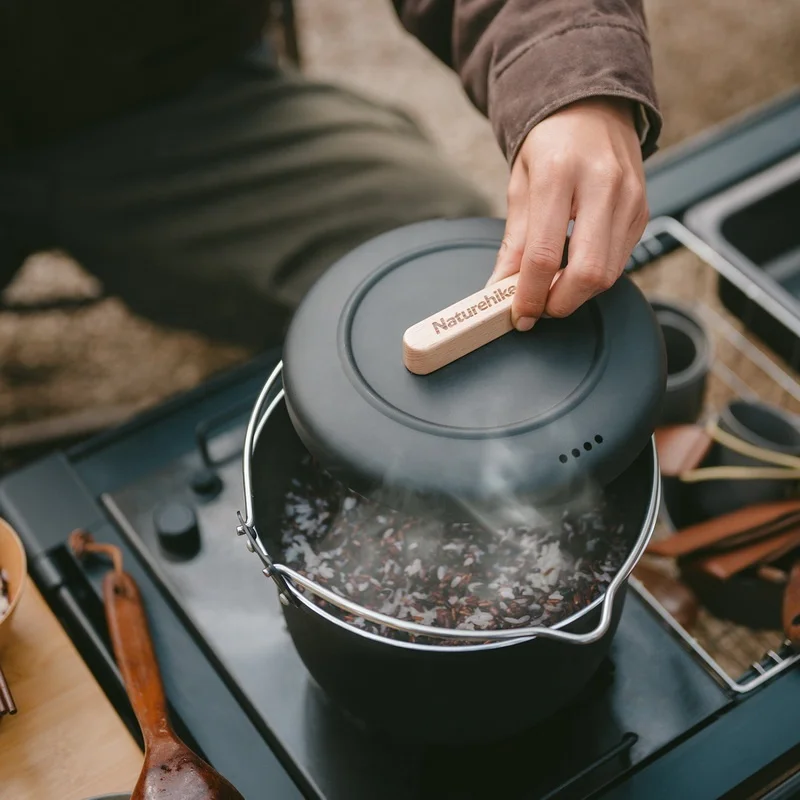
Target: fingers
[(611, 217), (632, 216), (589, 270), (582, 163), (549, 212), (513, 244)]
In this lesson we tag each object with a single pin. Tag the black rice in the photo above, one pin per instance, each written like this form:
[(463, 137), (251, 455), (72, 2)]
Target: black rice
[(464, 576)]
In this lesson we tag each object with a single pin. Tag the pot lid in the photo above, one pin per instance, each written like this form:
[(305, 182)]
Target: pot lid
[(572, 401)]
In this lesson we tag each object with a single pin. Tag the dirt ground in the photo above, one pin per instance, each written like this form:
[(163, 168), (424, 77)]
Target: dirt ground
[(713, 60)]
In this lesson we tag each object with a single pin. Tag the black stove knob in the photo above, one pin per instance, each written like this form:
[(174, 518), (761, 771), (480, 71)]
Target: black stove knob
[(206, 483), (176, 527)]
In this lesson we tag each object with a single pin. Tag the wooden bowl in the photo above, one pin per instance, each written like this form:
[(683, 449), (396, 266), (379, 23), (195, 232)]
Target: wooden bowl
[(15, 564)]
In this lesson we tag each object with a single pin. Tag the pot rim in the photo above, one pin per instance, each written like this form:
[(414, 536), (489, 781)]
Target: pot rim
[(286, 578)]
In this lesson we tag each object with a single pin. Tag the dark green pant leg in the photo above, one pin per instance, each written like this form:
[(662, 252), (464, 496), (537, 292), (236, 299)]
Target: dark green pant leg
[(216, 212)]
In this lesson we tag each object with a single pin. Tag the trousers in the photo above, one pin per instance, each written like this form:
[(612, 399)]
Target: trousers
[(216, 210)]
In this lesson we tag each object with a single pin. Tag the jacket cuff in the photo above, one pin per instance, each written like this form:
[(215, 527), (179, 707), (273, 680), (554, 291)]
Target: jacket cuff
[(577, 63)]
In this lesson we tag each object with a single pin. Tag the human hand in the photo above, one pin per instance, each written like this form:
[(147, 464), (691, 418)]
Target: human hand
[(583, 163)]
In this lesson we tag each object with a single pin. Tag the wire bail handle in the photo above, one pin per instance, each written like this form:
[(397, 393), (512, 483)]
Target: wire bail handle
[(247, 526)]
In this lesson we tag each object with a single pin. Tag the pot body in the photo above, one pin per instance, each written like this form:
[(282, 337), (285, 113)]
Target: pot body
[(445, 694), (448, 695)]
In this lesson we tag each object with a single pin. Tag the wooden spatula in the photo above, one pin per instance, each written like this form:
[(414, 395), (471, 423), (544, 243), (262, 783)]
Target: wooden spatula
[(724, 566), (742, 527), (171, 769)]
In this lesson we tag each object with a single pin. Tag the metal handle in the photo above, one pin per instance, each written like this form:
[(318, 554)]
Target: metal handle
[(247, 527), (288, 580)]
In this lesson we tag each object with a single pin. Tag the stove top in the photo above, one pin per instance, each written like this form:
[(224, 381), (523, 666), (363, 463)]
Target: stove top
[(166, 489), (235, 609), (653, 723)]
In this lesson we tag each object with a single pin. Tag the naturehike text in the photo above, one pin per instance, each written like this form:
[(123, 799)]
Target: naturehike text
[(462, 315)]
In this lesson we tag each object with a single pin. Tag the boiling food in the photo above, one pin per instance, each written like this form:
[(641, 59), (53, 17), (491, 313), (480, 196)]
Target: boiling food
[(461, 576)]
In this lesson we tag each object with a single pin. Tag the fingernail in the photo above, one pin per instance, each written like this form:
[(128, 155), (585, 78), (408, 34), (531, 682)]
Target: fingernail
[(524, 324), (490, 281)]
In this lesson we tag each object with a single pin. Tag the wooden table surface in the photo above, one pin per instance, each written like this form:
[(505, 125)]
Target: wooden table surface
[(66, 742)]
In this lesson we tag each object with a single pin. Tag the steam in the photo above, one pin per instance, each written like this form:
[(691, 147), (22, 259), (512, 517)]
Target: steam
[(383, 549)]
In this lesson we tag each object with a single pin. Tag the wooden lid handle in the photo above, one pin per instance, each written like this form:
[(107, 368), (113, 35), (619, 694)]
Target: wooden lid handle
[(460, 328)]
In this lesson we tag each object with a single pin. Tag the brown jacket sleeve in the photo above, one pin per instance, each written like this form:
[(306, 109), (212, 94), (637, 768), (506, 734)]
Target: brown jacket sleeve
[(521, 60)]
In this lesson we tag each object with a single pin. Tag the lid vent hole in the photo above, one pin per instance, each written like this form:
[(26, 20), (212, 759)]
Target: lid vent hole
[(576, 451)]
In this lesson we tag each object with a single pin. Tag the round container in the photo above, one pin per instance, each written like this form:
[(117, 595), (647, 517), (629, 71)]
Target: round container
[(527, 420), (759, 424), (744, 599), (688, 350)]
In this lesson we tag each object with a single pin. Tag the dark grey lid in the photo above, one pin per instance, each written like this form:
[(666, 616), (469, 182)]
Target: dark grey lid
[(529, 413)]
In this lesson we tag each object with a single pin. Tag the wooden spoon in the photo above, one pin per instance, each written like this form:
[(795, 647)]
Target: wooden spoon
[(171, 770)]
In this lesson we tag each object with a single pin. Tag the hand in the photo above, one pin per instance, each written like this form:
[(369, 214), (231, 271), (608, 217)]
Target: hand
[(584, 163)]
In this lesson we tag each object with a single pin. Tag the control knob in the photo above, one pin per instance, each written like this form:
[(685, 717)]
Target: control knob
[(177, 530)]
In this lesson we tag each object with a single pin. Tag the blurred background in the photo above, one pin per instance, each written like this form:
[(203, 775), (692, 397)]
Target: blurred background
[(64, 372)]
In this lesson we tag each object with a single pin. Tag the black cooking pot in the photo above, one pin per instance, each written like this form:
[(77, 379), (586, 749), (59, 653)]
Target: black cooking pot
[(578, 406)]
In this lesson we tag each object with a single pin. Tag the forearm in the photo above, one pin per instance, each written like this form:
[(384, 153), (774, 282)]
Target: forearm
[(521, 60)]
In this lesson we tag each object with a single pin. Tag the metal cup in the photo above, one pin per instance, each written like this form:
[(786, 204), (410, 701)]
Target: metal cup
[(761, 425), (688, 362)]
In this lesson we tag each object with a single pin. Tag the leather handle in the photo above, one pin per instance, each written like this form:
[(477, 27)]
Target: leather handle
[(791, 607), (681, 448), (133, 648), (460, 328), (737, 527), (728, 564)]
